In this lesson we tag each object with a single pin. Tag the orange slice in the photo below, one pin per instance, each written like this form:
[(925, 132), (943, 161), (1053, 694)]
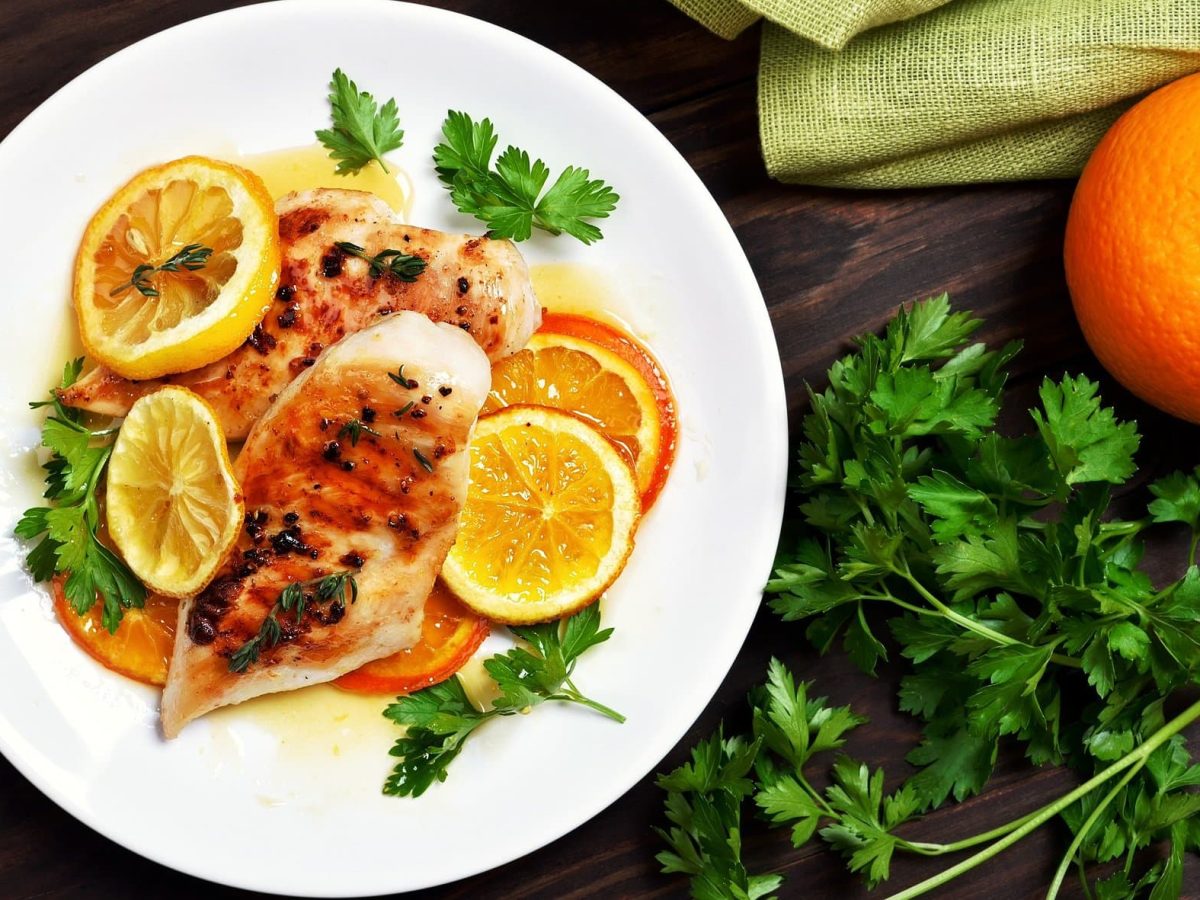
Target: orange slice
[(173, 504), (450, 635), (579, 376), (549, 519), (639, 356), (177, 268), (140, 648)]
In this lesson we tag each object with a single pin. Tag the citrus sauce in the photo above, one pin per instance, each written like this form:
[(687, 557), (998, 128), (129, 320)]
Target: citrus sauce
[(312, 724), (305, 168), (580, 290)]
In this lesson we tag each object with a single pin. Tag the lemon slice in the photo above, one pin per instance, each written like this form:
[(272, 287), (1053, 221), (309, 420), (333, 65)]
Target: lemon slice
[(177, 268), (549, 519), (580, 376), (174, 506)]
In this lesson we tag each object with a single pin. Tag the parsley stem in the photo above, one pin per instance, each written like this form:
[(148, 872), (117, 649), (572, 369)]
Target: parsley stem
[(1135, 758), (1083, 880), (574, 696), (892, 598), (970, 624), (816, 795), (1192, 549), (1069, 661), (1084, 829), (958, 618), (926, 849)]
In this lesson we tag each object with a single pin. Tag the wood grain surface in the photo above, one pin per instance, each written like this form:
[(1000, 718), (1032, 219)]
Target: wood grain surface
[(831, 264)]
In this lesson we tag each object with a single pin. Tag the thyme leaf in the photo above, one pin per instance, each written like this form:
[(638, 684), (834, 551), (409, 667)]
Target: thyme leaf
[(403, 266), (337, 587), (192, 258)]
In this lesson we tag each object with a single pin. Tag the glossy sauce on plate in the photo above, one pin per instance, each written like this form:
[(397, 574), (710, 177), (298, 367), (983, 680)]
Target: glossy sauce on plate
[(308, 167)]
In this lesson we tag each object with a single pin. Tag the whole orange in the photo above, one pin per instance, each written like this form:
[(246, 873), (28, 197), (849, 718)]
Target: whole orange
[(1133, 249)]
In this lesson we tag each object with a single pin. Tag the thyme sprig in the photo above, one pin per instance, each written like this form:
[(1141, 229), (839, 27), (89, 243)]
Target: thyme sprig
[(193, 257), (403, 380), (403, 266), (354, 430), (294, 598)]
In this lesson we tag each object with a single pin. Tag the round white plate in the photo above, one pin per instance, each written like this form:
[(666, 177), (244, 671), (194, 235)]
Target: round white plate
[(286, 798)]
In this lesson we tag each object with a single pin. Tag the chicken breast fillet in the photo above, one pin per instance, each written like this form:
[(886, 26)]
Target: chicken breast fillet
[(479, 285), (382, 506)]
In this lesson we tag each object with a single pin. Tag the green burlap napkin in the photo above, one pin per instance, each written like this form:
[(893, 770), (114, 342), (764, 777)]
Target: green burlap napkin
[(973, 90), (831, 23)]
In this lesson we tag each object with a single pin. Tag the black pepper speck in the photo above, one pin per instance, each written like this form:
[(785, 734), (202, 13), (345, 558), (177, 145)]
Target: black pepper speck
[(331, 263)]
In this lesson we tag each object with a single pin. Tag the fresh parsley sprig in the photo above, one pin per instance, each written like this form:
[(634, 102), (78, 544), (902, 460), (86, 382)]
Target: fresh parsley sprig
[(439, 719), (338, 587), (192, 258), (67, 529), (403, 266), (706, 799), (362, 130), (704, 805), (509, 198)]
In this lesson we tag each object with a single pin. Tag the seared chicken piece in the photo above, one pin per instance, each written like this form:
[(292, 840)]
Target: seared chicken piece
[(479, 285), (359, 467)]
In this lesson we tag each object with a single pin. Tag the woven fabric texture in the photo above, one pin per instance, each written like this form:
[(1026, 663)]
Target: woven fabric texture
[(976, 90), (725, 18), (832, 23)]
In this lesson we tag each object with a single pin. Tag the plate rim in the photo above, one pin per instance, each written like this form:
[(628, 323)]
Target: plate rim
[(24, 757)]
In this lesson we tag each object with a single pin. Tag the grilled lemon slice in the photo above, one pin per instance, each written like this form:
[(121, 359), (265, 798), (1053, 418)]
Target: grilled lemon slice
[(174, 506), (177, 268)]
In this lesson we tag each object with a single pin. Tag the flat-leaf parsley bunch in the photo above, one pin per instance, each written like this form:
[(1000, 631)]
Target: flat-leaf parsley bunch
[(1015, 595)]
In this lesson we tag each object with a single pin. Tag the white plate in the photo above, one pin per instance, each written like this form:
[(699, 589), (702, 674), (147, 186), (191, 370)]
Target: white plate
[(249, 798)]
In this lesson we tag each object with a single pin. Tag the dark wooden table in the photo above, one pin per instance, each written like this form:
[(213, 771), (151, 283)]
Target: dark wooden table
[(831, 264)]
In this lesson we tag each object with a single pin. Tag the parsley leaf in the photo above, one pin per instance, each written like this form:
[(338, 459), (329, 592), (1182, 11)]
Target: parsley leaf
[(362, 130), (706, 795), (704, 808), (1177, 499), (440, 718), (1085, 441), (67, 530), (510, 197)]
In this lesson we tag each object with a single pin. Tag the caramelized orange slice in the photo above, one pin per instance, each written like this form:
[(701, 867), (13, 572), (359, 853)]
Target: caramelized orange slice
[(549, 519), (450, 635), (579, 376), (639, 356), (140, 648)]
